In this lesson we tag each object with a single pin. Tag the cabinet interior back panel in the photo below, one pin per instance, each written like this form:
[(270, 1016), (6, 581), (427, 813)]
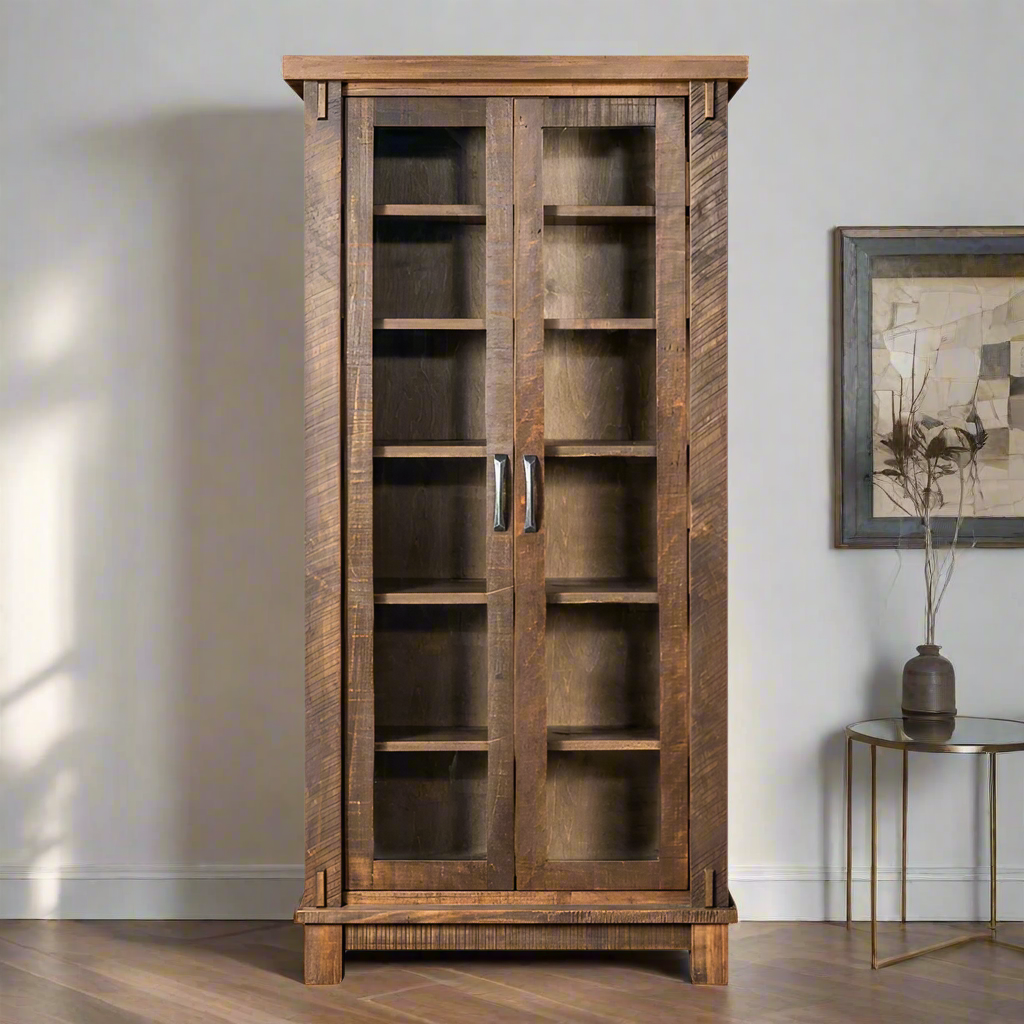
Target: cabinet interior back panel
[(600, 518), (425, 268), (602, 665), (603, 805), (428, 385), (430, 666), (599, 385), (428, 165), (430, 518), (598, 166)]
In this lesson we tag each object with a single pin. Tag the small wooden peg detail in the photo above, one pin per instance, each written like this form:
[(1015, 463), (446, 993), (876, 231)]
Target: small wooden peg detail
[(709, 100), (321, 888), (709, 887), (321, 101)]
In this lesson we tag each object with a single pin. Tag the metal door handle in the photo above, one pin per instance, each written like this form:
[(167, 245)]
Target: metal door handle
[(530, 465), (500, 493)]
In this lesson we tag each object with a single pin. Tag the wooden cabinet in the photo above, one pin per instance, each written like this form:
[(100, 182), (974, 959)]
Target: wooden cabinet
[(515, 505)]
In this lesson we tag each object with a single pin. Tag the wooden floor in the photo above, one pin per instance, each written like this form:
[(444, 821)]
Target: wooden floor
[(195, 972)]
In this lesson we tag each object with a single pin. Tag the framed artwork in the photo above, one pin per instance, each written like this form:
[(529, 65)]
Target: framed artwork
[(934, 315)]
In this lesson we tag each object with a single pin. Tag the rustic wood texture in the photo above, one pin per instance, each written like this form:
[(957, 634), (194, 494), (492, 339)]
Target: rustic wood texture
[(534, 897), (428, 268), (430, 450), (323, 954), (599, 449), (602, 806), (531, 603), (516, 937), (601, 518), (598, 591), (576, 214), (469, 212), (435, 323), (448, 644), (500, 416), (602, 323), (413, 738), (295, 68), (430, 518), (186, 972), (425, 875), (478, 913), (624, 111), (596, 164), (429, 806), (602, 666), (430, 112), (547, 89), (323, 591), (708, 492), (709, 954), (672, 506), (587, 737), (358, 494), (412, 591), (422, 165), (321, 889)]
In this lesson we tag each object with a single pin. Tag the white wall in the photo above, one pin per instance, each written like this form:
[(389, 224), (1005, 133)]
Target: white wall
[(151, 546)]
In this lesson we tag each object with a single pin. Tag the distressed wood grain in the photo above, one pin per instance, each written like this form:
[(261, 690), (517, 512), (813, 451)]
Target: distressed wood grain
[(708, 492), (323, 798)]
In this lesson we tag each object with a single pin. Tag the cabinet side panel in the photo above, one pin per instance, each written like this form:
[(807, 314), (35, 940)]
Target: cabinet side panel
[(500, 417), (673, 583), (708, 546), (323, 152), (358, 493)]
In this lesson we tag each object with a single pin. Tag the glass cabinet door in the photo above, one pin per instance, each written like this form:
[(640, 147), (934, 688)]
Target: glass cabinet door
[(601, 701), (428, 413)]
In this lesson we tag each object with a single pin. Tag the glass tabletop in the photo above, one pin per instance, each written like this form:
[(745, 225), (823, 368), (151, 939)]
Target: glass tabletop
[(960, 735)]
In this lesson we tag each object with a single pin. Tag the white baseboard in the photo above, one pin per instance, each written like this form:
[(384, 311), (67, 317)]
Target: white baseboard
[(227, 892), (819, 894), (272, 891)]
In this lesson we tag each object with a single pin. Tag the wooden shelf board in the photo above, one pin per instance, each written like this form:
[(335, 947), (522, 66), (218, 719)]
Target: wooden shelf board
[(469, 213), (577, 737), (597, 449), (428, 324), (409, 591), (430, 449), (417, 738), (599, 324), (596, 214), (601, 591)]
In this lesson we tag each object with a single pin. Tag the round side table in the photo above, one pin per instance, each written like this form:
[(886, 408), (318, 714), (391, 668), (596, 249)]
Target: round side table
[(962, 735)]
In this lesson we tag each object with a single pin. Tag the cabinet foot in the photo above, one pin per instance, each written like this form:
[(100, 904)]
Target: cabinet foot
[(709, 954), (323, 947)]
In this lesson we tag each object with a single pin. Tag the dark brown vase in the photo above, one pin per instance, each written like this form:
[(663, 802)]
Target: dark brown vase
[(929, 685)]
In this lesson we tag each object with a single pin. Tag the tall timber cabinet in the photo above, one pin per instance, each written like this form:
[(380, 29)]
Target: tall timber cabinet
[(515, 452)]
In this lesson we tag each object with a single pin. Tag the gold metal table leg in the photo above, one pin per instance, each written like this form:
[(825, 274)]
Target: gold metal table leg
[(874, 858), (849, 830), (903, 874)]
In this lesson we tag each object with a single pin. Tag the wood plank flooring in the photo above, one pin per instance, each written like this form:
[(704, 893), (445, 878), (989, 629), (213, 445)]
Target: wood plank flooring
[(187, 972)]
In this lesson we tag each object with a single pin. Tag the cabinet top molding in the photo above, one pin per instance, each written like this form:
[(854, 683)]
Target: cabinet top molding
[(492, 71)]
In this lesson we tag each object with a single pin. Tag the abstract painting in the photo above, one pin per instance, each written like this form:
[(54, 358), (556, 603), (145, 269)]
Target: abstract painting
[(936, 313)]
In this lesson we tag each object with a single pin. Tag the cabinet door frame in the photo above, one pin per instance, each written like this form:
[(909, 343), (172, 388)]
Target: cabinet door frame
[(534, 868), (363, 871)]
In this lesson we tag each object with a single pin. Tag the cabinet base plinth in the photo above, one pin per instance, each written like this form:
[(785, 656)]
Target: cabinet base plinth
[(325, 944)]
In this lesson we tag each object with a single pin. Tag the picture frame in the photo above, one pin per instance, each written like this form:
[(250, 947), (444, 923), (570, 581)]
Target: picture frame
[(945, 286)]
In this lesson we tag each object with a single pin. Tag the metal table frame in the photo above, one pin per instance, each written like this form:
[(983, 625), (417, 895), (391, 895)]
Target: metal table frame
[(906, 746)]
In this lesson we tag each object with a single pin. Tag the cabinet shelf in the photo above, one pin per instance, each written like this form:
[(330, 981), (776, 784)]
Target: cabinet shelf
[(467, 213), (585, 737), (413, 591), (597, 449), (429, 324), (562, 214), (430, 449), (601, 591), (420, 738), (599, 324)]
